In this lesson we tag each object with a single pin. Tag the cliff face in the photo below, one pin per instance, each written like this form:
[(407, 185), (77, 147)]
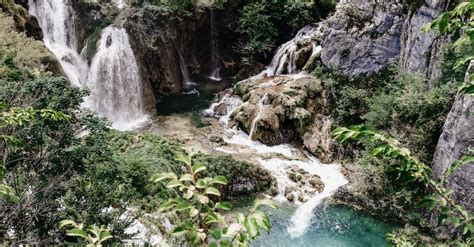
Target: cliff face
[(455, 141), (421, 51), (364, 37)]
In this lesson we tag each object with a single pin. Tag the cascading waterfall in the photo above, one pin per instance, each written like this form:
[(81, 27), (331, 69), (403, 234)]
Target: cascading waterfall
[(215, 56), (284, 60), (115, 82), (113, 79), (330, 174), (56, 19)]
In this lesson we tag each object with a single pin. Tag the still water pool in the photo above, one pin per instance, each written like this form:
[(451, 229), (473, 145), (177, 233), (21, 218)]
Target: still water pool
[(331, 226)]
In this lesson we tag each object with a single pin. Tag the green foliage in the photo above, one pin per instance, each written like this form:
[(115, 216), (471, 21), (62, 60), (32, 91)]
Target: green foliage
[(19, 51), (93, 235), (410, 170), (264, 24), (459, 24), (199, 199)]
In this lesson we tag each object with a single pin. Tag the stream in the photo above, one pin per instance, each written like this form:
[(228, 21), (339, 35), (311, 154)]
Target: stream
[(116, 93)]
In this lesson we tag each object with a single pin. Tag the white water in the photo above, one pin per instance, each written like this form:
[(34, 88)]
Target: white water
[(120, 3), (330, 175), (115, 83), (56, 19), (113, 78), (215, 56), (284, 60)]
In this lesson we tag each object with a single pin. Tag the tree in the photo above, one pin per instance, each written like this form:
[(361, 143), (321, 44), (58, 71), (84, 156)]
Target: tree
[(198, 201)]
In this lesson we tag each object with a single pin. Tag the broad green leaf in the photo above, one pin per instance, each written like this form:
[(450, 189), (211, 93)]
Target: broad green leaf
[(77, 233), (183, 158), (163, 176), (198, 168), (251, 227), (65, 223), (216, 233), (211, 218), (186, 177), (264, 202), (212, 191), (104, 235), (174, 184), (201, 184), (219, 180), (179, 231), (223, 205), (213, 244)]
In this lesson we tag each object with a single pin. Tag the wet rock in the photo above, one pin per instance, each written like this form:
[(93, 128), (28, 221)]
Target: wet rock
[(278, 109), (316, 183), (318, 139), (216, 139)]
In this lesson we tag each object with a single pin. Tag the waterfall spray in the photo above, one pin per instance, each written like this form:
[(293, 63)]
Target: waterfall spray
[(115, 81), (56, 19)]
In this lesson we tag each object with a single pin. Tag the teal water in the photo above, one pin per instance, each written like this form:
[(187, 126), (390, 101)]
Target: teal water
[(331, 226)]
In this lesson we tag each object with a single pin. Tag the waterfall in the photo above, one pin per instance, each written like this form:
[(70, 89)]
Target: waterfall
[(284, 60), (215, 56), (185, 71), (113, 79), (239, 142), (56, 19), (115, 83)]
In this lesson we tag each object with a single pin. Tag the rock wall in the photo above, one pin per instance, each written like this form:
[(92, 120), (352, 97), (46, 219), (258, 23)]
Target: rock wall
[(421, 52), (363, 37), (455, 141)]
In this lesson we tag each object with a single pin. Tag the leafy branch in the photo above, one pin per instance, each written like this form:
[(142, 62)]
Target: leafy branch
[(199, 202), (459, 23), (417, 172), (93, 235)]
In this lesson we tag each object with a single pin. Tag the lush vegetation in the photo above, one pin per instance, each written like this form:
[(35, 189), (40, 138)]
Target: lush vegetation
[(62, 162), (414, 173), (199, 202)]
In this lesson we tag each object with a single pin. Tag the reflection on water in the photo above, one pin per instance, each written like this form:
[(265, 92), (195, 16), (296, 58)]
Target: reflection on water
[(196, 97)]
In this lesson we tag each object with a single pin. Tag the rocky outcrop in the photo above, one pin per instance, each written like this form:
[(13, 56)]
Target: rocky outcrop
[(24, 22), (455, 141), (421, 52), (363, 37), (286, 108), (277, 108)]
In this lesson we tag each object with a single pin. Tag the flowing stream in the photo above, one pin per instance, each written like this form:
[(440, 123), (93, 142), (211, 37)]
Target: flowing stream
[(113, 78)]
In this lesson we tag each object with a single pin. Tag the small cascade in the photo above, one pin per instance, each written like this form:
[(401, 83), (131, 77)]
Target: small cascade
[(291, 159), (185, 71), (258, 116), (56, 19), (115, 83), (215, 55), (285, 59)]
